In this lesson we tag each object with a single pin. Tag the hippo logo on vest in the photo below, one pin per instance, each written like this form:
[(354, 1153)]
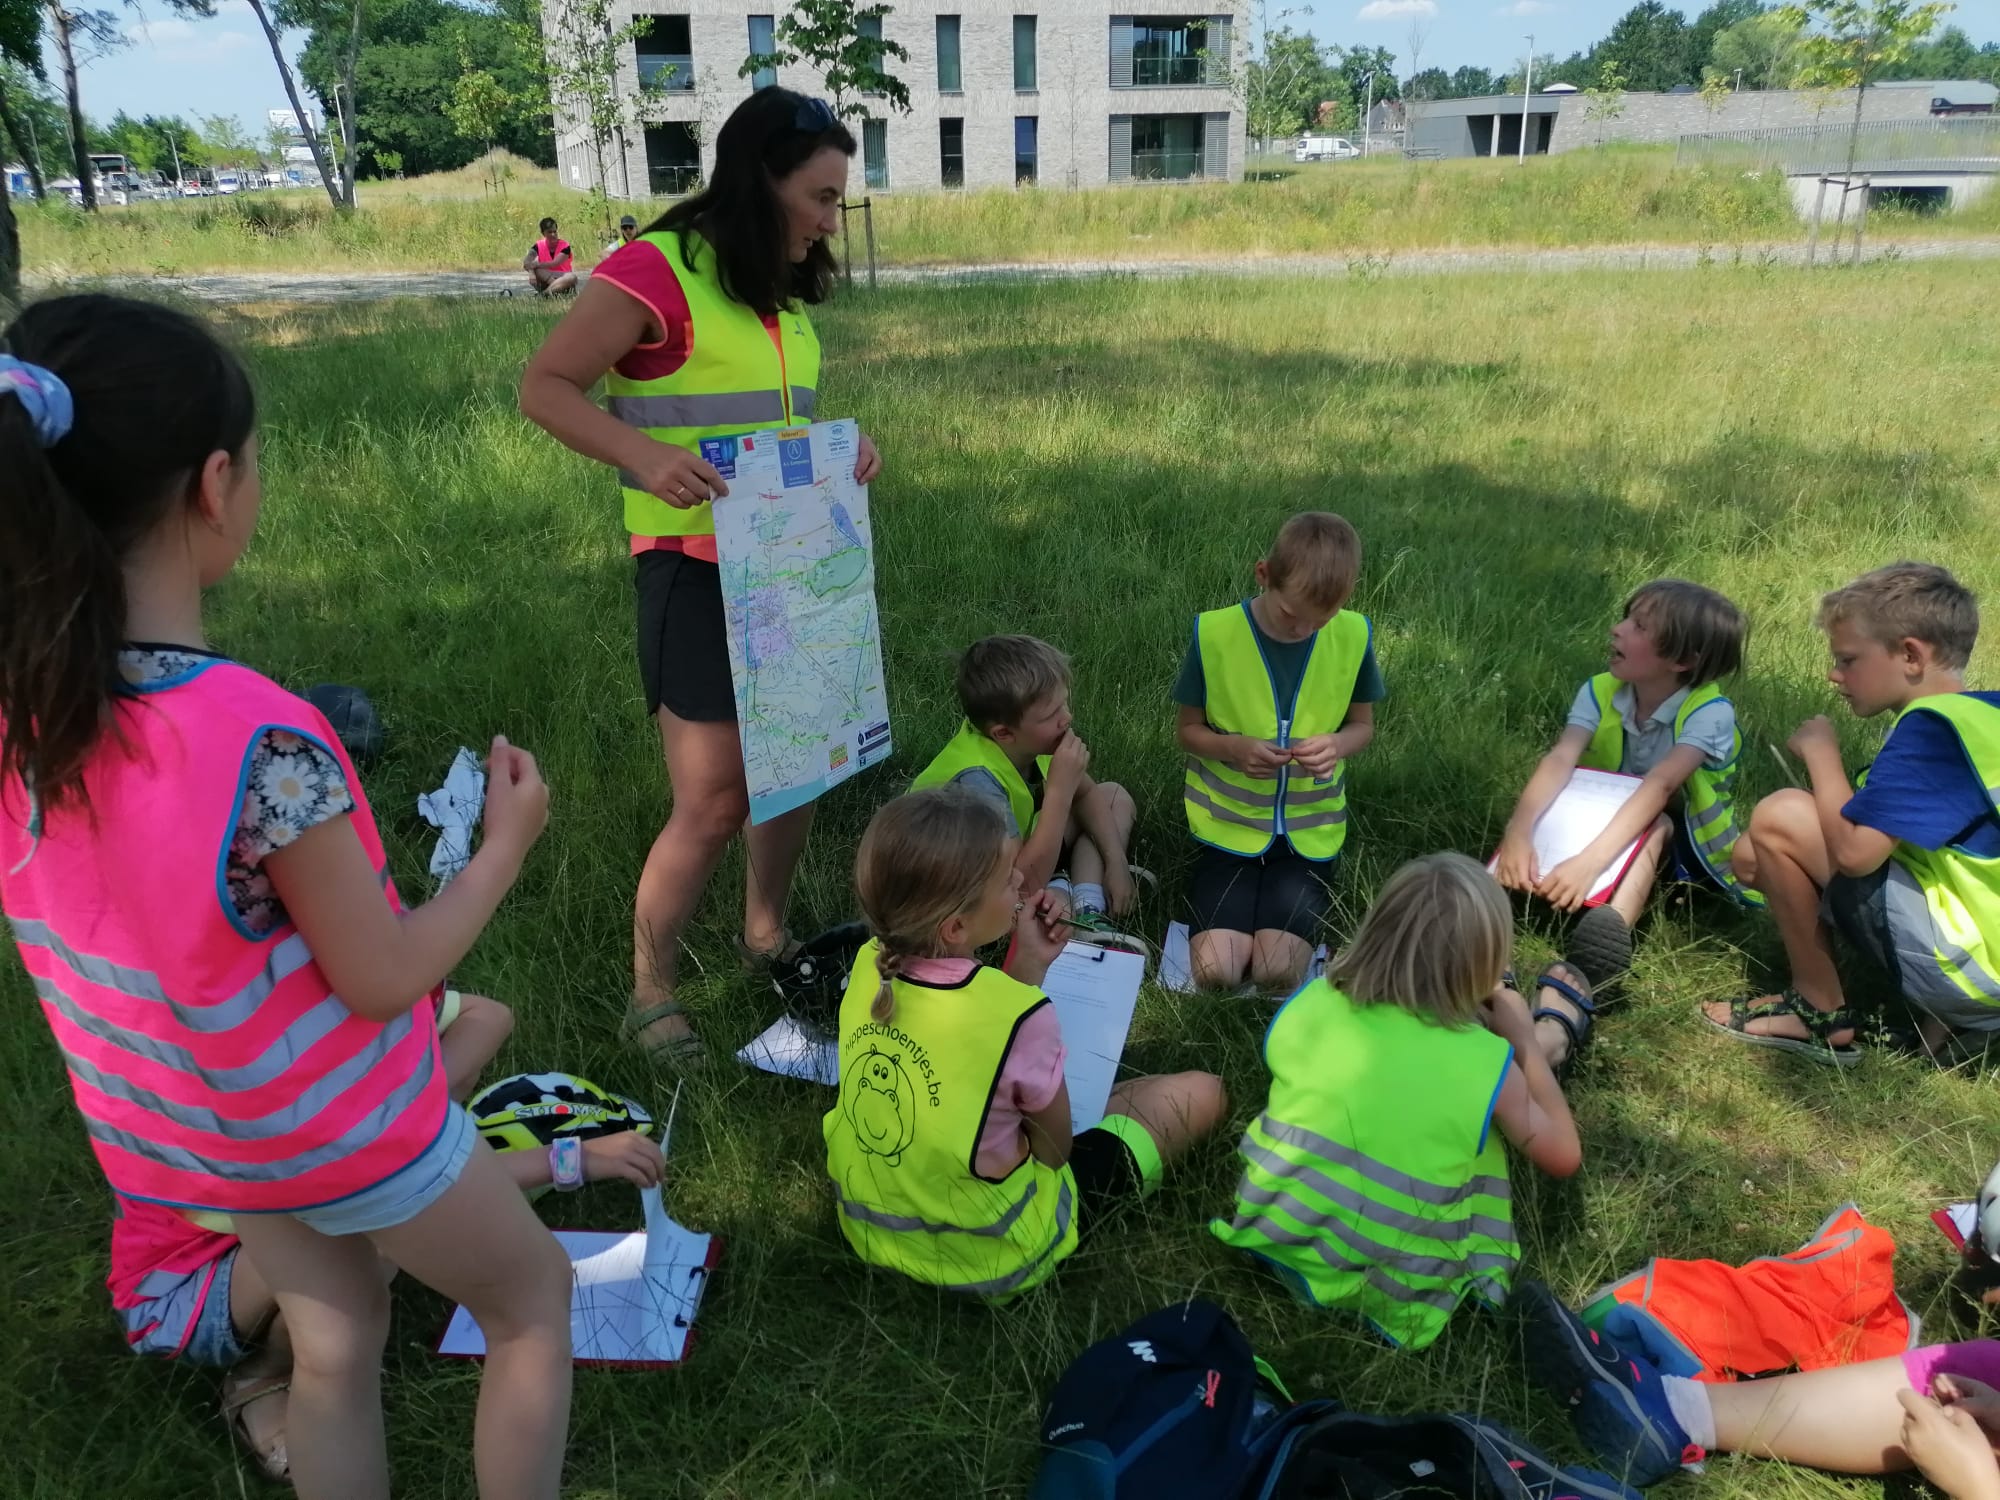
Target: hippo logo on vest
[(881, 1104)]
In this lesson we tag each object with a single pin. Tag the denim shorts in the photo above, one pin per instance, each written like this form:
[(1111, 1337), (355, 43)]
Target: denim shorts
[(190, 1319), (399, 1198)]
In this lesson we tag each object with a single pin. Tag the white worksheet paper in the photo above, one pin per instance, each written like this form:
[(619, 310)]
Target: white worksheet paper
[(1582, 810), (791, 1049), (635, 1297), (1094, 991)]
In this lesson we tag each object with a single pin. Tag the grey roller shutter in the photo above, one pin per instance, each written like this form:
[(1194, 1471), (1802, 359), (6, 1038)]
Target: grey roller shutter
[(1121, 52), (1215, 148), (1121, 148), (1216, 67)]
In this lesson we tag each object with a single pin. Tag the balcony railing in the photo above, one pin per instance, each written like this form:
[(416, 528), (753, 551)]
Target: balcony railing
[(1160, 165), (1168, 72), (663, 70)]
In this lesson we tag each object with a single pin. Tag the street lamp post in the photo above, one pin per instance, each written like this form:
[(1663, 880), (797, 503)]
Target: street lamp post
[(1527, 82), (1367, 109)]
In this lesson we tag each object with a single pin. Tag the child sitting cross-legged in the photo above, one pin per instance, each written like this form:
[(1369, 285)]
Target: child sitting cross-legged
[(1907, 865), (950, 1145), (1018, 749), (1655, 712), (1276, 694), (1374, 1179)]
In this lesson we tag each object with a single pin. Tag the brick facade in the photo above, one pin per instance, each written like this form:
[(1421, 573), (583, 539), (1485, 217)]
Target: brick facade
[(1073, 100)]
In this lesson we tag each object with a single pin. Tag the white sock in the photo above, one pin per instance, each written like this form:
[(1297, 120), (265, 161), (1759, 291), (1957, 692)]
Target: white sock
[(1688, 1401), (1088, 895)]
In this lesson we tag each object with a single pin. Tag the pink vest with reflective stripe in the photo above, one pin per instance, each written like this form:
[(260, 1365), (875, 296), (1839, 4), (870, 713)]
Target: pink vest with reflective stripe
[(213, 1066)]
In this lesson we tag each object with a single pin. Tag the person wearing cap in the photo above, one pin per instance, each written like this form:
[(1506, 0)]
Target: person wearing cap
[(700, 330), (628, 231)]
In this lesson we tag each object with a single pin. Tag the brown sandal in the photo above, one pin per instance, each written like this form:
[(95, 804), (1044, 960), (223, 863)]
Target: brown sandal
[(272, 1462), (685, 1052)]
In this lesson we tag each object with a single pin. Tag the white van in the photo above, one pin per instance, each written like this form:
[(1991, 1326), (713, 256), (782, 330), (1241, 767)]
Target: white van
[(228, 182), (1324, 148)]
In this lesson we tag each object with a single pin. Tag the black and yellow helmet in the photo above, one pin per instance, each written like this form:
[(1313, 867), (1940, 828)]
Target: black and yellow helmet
[(531, 1111)]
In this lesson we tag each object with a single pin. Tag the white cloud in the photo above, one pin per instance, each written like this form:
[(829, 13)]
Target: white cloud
[(189, 43), (1525, 8), (1395, 10)]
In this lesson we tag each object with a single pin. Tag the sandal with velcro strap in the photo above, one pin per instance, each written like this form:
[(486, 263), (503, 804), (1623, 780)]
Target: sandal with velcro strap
[(1578, 993), (1819, 1024)]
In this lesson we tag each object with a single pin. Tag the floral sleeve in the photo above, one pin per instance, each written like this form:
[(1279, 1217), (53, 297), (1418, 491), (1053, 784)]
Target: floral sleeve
[(291, 785)]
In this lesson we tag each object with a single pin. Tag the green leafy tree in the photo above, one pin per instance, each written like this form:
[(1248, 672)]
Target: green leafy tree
[(1856, 42), (20, 53), (1471, 83), (227, 142), (1431, 83), (1711, 23), (1764, 49), (578, 58), (842, 41), (388, 163), (266, 19), (1949, 54), (1651, 46), (1284, 85), (1605, 99), (479, 109)]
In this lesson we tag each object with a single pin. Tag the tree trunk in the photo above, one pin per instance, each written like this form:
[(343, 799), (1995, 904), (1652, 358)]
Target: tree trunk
[(21, 140), (1854, 130), (10, 254), (326, 175), (61, 23), (348, 126)]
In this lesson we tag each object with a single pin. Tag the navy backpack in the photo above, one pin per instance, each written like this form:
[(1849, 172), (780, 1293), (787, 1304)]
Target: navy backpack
[(1178, 1407)]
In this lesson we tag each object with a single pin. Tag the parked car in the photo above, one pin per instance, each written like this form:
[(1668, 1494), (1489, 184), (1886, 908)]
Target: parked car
[(1324, 148)]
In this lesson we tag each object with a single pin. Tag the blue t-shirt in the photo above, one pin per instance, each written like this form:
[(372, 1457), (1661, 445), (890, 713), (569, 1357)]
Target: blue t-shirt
[(1287, 660), (1922, 789)]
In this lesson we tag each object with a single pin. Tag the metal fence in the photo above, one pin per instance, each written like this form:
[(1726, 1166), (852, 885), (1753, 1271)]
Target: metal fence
[(1966, 144)]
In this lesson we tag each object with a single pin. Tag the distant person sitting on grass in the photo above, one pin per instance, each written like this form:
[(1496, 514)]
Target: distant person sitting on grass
[(1018, 749), (1907, 865), (550, 263), (1933, 1409), (1655, 712), (628, 231)]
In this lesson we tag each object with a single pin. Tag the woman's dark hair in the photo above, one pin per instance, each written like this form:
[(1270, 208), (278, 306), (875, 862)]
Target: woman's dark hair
[(155, 394), (766, 138)]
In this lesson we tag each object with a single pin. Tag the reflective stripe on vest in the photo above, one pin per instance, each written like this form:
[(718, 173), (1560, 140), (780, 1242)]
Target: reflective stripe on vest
[(969, 750), (737, 379), (216, 1070), (1709, 809), (903, 1135), (1243, 814), (1960, 890), (1364, 1192)]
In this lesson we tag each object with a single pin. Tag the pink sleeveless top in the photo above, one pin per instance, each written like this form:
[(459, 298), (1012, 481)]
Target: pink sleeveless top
[(213, 1066)]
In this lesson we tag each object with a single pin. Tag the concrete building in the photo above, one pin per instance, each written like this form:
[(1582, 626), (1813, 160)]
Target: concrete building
[(1491, 125), (1070, 94)]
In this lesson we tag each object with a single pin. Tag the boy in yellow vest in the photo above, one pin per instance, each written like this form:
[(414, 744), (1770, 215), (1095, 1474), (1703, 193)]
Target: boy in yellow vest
[(1908, 866), (1019, 750), (1276, 695), (1656, 712)]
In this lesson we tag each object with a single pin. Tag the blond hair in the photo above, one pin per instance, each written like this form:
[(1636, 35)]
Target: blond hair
[(924, 859), (1909, 601), (1692, 624), (1317, 555), (1003, 676), (1435, 942)]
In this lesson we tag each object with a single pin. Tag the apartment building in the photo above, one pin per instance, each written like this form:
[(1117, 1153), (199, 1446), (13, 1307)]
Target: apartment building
[(1002, 92)]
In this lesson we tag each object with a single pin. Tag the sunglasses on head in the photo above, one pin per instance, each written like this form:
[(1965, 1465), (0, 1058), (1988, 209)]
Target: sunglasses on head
[(813, 116)]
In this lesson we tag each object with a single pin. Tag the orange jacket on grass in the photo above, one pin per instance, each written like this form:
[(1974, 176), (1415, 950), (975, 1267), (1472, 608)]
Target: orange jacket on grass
[(1830, 1302)]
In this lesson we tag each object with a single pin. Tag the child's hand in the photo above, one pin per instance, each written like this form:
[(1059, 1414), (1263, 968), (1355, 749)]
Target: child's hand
[(1949, 1447), (1816, 734), (1319, 754), (1069, 762), (1517, 868), (1039, 935), (867, 462), (627, 1155), (1259, 758), (1506, 1015), (517, 800), (1974, 1397), (1566, 886), (1118, 890)]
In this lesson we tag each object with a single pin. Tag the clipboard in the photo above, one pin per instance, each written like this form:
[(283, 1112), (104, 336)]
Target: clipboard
[(1581, 811)]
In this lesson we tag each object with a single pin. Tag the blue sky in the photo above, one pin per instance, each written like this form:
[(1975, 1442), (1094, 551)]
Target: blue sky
[(223, 66)]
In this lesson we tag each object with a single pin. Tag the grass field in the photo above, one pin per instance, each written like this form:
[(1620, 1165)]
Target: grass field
[(1619, 196), (1093, 463)]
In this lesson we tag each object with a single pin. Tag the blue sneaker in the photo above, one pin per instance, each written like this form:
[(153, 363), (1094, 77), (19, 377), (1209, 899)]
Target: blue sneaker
[(1615, 1395)]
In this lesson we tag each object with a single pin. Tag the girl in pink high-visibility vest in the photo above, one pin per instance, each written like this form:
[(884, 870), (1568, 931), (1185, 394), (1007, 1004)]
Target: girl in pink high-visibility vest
[(200, 899)]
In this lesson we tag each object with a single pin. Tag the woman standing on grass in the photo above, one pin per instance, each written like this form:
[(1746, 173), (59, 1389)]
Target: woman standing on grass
[(699, 331)]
